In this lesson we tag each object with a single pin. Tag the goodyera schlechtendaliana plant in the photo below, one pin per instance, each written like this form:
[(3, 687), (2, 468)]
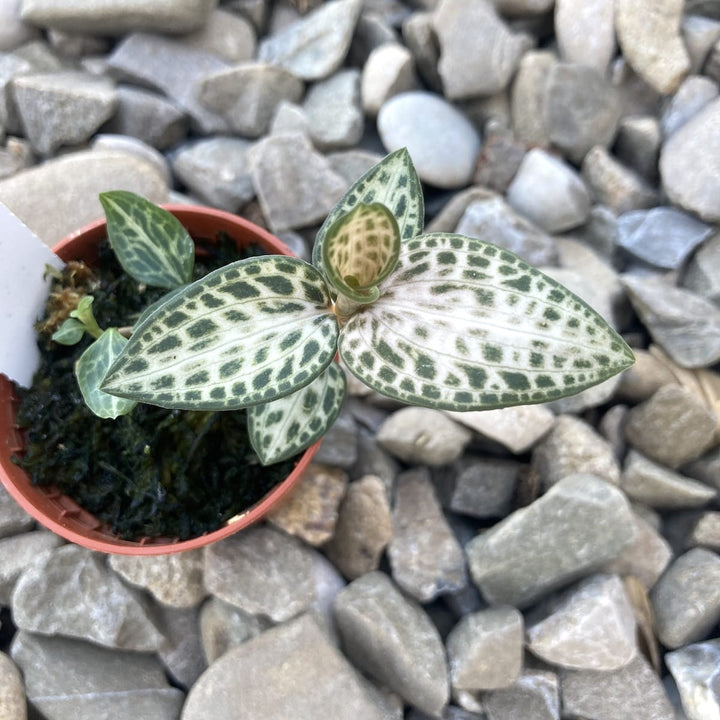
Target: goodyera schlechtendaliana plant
[(438, 320)]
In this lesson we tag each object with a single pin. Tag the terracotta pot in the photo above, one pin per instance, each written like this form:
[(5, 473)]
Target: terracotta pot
[(61, 514)]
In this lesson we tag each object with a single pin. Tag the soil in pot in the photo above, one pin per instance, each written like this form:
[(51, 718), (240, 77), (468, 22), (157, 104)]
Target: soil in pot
[(154, 472)]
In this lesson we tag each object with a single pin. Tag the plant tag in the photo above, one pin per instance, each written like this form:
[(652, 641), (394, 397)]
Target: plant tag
[(23, 290)]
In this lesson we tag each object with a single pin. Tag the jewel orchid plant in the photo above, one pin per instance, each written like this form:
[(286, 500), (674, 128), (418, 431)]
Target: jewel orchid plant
[(438, 320)]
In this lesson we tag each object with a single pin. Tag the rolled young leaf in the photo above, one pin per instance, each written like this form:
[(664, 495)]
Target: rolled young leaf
[(250, 332), (282, 428), (361, 250), (90, 370), (394, 183), (464, 325), (150, 243)]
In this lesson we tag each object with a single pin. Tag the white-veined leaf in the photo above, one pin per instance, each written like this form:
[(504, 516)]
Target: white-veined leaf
[(90, 370), (394, 183), (361, 250), (150, 243), (284, 427), (464, 325), (250, 332)]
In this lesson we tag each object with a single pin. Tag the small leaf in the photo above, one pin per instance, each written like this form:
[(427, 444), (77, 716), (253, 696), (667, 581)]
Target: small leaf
[(361, 250), (90, 370), (394, 183), (284, 427), (150, 243), (248, 333), (69, 333), (83, 313), (464, 325)]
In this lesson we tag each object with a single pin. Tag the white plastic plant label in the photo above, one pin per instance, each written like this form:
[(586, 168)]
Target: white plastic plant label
[(23, 289)]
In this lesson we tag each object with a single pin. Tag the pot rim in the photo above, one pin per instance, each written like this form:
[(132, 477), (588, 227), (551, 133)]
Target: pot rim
[(61, 514)]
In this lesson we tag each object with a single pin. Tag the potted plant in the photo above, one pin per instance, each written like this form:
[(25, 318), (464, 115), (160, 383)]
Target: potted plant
[(439, 320), (57, 510)]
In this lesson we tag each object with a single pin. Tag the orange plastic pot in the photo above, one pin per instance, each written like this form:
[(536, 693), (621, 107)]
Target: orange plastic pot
[(57, 511)]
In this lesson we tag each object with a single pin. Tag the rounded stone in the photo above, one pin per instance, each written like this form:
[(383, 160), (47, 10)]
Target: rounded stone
[(690, 164), (442, 142), (12, 694)]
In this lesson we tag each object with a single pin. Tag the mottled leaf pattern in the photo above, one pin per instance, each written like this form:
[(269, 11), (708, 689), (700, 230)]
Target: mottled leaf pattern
[(464, 325), (154, 306), (284, 427), (90, 371), (248, 333), (361, 250), (394, 183), (151, 244)]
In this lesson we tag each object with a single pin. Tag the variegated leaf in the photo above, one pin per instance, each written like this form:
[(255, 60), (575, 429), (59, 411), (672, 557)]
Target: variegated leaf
[(284, 427), (90, 370), (394, 183), (248, 333), (151, 244), (361, 250), (464, 325), (69, 333)]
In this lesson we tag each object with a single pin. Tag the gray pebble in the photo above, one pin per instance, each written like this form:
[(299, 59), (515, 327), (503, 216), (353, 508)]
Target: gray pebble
[(535, 696), (634, 691), (690, 164), (441, 140), (479, 487), (659, 487), (705, 532), (572, 446), (424, 554), (295, 184), (13, 519), (663, 237), (58, 109), (638, 145), (683, 324), (149, 117), (492, 217), (583, 110), (529, 97), (614, 185), (672, 427), (701, 275), (699, 33), (247, 95), (591, 627), (478, 51), (262, 571), (216, 170), (107, 17), (224, 626), (585, 32), (389, 71), (13, 705), (528, 554), (549, 192), (315, 46), (333, 111), (69, 678), (485, 649), (16, 553), (169, 65), (418, 435), (291, 658), (655, 49), (363, 529), (392, 639), (695, 669), (693, 95), (686, 599)]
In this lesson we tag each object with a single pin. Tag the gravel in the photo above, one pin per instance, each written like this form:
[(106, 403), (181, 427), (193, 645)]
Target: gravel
[(533, 562)]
